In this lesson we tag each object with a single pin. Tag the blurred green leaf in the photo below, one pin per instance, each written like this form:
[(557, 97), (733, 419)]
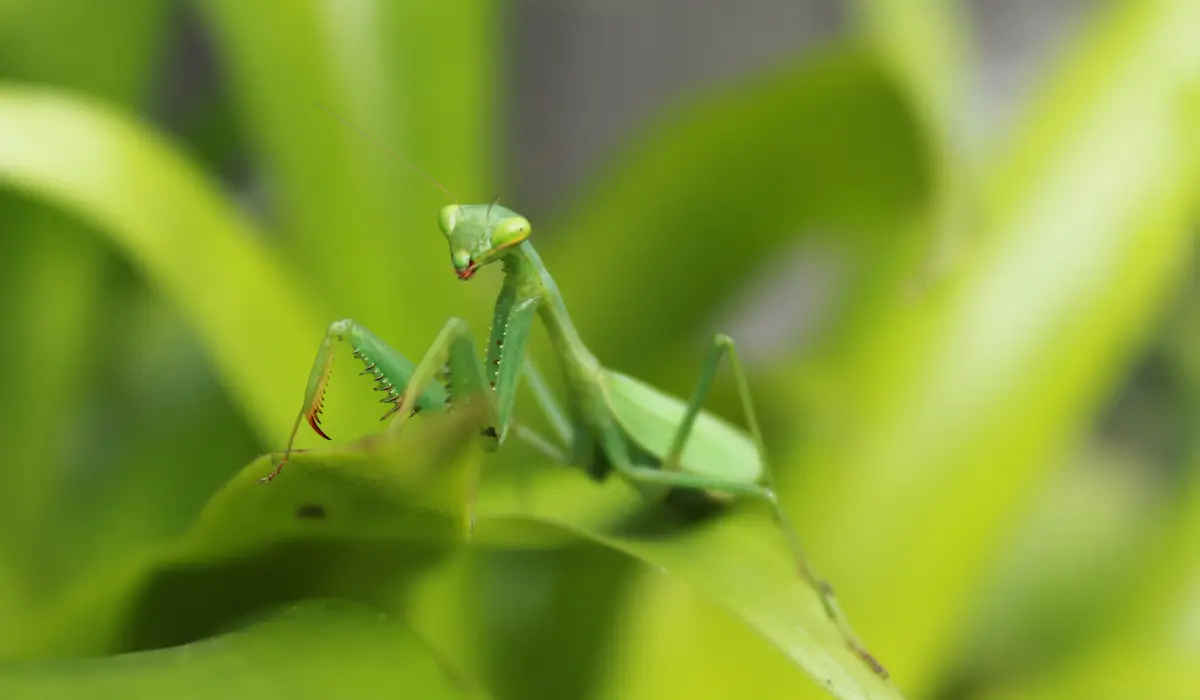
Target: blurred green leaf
[(361, 225), (824, 148), (923, 41), (316, 649), (128, 35), (1154, 628), (191, 245), (943, 425), (1144, 644), (924, 45), (55, 280), (1153, 670), (1070, 568), (59, 311)]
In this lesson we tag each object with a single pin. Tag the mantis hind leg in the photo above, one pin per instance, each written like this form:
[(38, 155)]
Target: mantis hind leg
[(669, 475)]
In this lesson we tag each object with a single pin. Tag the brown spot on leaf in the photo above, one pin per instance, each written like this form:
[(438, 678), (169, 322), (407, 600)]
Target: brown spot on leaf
[(311, 511)]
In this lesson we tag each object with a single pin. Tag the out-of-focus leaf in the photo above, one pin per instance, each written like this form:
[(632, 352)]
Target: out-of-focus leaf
[(1161, 608), (192, 247), (923, 42), (316, 649), (923, 45), (1072, 565), (418, 77), (676, 642), (1146, 644), (1146, 671), (531, 622), (52, 285), (556, 614), (51, 280), (941, 426), (825, 148), (120, 497), (128, 34)]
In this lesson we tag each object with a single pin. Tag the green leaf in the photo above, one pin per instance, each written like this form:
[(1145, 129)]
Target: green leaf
[(1152, 629), (825, 149), (362, 226), (923, 41), (129, 35), (738, 560), (54, 280), (937, 432), (1149, 670), (192, 247), (315, 649), (345, 525), (1071, 568), (35, 377)]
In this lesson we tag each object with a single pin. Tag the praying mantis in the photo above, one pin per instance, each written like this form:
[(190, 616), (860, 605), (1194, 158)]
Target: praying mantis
[(612, 423)]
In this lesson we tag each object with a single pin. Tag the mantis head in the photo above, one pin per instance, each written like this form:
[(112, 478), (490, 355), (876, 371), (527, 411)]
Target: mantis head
[(480, 234)]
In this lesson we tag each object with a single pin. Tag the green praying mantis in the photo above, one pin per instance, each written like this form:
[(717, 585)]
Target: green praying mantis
[(613, 423)]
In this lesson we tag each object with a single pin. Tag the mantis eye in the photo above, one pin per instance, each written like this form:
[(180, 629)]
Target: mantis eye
[(447, 218), (510, 232)]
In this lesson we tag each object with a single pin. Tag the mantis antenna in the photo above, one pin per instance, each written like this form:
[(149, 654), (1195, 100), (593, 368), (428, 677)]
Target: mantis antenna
[(390, 151)]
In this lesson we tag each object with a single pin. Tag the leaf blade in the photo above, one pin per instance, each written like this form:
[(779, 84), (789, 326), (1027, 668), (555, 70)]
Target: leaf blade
[(155, 208), (825, 148), (960, 405), (313, 649), (358, 222)]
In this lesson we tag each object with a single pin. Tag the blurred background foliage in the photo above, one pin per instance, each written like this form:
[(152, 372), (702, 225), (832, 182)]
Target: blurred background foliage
[(955, 239)]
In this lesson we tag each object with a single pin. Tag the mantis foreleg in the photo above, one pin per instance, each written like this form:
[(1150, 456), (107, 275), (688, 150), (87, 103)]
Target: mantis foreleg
[(390, 370), (451, 358)]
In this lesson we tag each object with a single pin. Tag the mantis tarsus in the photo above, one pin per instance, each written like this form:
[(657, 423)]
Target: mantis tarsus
[(613, 422)]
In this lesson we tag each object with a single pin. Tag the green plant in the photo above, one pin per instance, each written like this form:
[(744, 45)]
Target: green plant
[(143, 296)]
